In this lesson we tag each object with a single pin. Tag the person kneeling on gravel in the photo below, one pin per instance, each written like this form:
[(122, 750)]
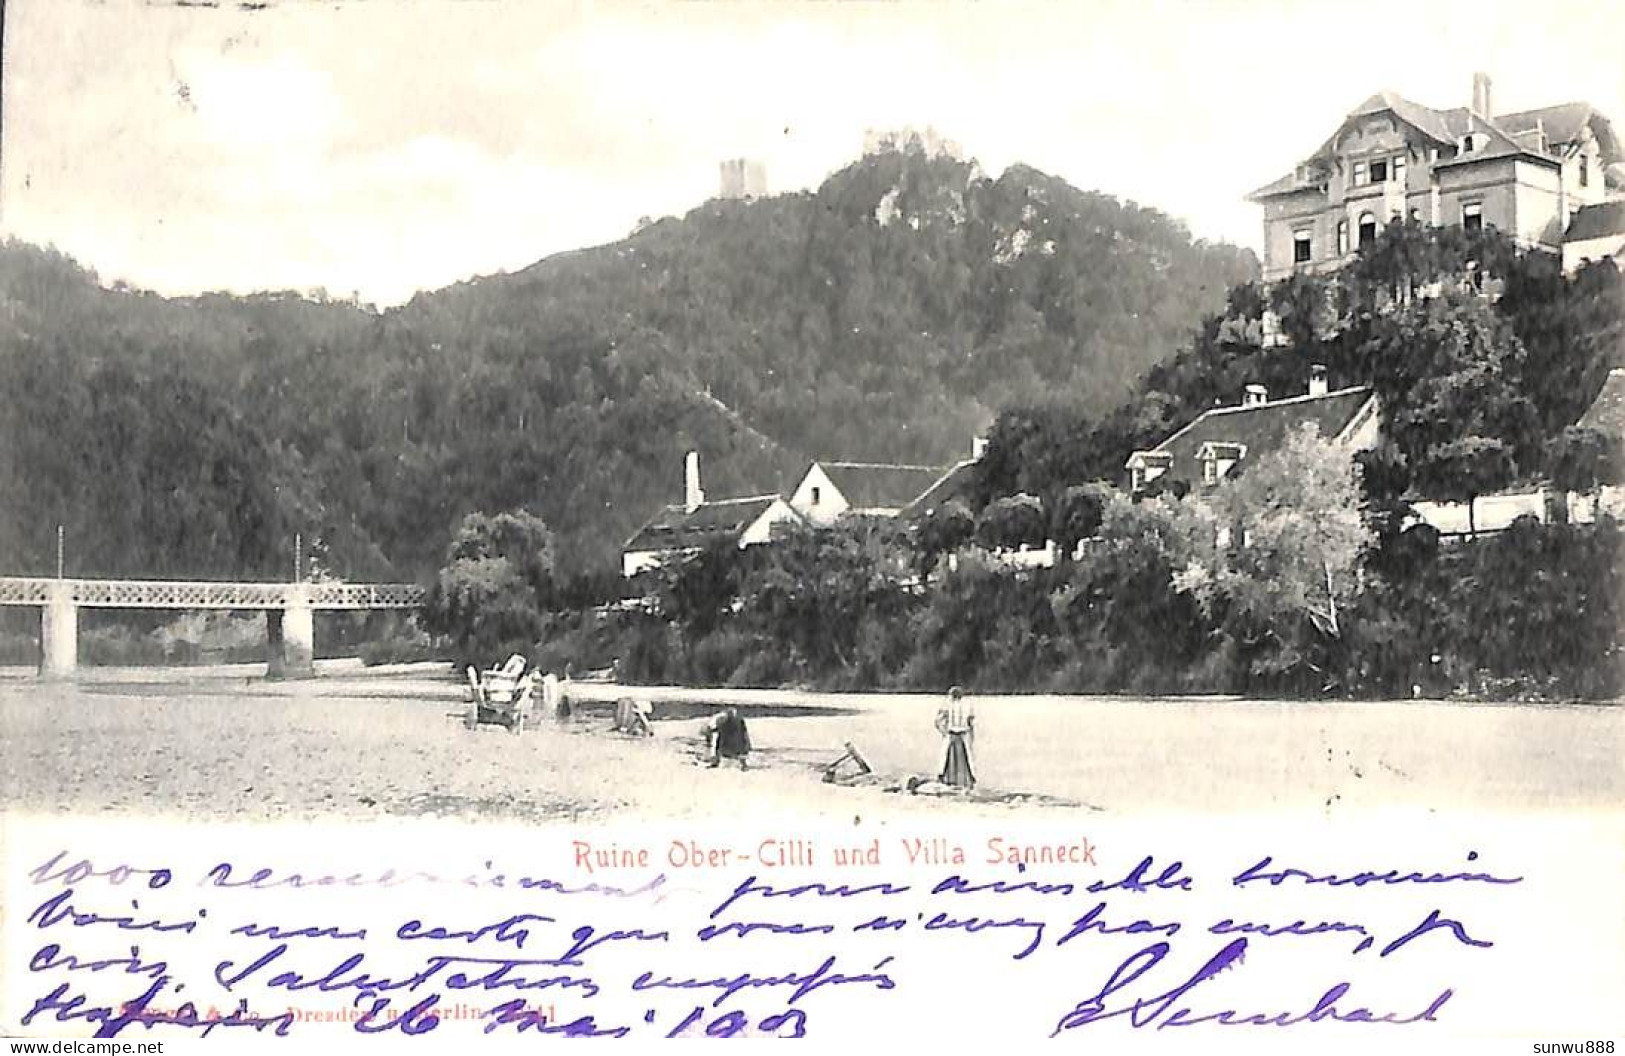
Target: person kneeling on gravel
[(729, 737)]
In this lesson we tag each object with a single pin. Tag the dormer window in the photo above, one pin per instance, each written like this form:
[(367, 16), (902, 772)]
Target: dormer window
[(1146, 466), (1218, 458)]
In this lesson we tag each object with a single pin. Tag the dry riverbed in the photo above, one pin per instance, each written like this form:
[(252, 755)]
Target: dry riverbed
[(383, 742)]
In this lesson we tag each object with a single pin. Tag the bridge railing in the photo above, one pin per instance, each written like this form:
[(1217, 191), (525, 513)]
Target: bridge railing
[(189, 594)]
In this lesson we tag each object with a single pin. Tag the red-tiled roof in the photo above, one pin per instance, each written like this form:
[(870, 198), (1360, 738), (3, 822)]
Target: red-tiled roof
[(678, 528), (876, 486), (1260, 428)]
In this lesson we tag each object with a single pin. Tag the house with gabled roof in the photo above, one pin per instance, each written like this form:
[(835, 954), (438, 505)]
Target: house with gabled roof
[(829, 491), (1209, 448), (1597, 233), (695, 523), (1528, 174)]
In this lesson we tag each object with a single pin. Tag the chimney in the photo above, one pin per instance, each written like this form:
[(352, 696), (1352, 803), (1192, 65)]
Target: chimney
[(1317, 380), (978, 447), (693, 495), (1255, 396), (1481, 95)]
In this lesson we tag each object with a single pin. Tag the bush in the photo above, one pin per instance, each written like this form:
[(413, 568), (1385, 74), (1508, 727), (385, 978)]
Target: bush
[(713, 659), (762, 669), (403, 648)]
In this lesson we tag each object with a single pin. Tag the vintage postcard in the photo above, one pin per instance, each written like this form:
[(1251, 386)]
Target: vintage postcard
[(873, 522)]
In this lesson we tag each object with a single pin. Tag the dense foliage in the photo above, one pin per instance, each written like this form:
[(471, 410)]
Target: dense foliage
[(1473, 387), (885, 315), (1297, 575)]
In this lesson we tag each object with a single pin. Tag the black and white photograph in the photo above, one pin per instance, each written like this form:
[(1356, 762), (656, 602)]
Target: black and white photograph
[(862, 506)]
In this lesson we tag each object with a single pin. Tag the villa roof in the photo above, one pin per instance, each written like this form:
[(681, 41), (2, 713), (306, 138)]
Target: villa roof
[(1260, 428), (1508, 133)]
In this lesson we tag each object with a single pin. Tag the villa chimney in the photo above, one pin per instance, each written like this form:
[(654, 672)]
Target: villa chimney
[(1481, 95), (1255, 396), (693, 495), (1317, 380), (978, 447)]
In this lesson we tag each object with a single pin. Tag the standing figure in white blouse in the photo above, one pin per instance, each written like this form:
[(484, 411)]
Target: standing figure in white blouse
[(956, 722)]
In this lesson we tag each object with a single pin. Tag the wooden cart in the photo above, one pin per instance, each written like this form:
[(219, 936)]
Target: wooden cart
[(499, 697)]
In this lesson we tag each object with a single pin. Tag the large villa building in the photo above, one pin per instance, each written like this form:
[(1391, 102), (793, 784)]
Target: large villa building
[(1536, 175)]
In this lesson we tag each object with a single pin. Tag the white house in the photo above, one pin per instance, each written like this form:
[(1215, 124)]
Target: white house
[(690, 526), (831, 490)]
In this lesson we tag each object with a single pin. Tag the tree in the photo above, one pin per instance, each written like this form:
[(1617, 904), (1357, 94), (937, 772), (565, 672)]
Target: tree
[(813, 589), (490, 595), (1012, 522), (1447, 372), (1288, 573), (943, 530), (1303, 305), (1076, 515), (697, 590), (1583, 459)]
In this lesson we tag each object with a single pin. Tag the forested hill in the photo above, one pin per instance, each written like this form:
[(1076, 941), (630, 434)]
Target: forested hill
[(885, 316)]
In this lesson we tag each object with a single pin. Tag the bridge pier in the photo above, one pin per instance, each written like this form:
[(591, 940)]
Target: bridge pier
[(290, 637), (59, 634), (290, 624)]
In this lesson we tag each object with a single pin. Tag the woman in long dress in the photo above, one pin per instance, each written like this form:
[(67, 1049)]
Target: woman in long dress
[(956, 721)]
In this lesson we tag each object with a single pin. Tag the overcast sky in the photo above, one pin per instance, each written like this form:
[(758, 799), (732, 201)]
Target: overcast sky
[(388, 146)]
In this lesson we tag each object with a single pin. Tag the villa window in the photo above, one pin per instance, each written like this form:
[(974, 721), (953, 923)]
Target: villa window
[(1379, 171), (1210, 471), (1399, 169), (1342, 237), (1359, 174), (1368, 229), (1585, 171), (1472, 216), (1416, 216), (816, 493), (1302, 247)]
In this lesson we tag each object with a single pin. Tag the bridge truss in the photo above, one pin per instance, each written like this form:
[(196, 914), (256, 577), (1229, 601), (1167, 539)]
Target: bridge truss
[(179, 594)]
